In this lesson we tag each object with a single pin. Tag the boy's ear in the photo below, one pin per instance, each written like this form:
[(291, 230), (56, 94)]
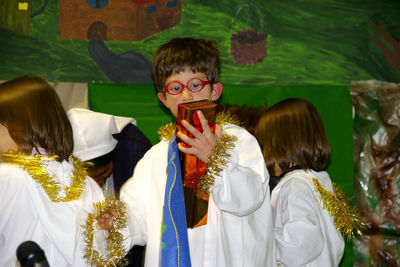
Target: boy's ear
[(162, 98), (217, 91)]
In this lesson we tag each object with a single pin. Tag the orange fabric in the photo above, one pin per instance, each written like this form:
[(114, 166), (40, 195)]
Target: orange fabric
[(202, 221)]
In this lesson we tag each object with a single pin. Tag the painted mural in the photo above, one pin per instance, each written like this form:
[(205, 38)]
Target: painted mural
[(309, 42), (275, 43)]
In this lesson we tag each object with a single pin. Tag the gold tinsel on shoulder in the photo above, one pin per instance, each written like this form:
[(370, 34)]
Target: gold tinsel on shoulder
[(35, 167), (115, 248), (224, 118), (167, 131), (345, 217), (217, 161)]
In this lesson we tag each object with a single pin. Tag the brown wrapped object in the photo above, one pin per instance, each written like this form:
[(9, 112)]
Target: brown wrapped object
[(196, 201), (377, 171)]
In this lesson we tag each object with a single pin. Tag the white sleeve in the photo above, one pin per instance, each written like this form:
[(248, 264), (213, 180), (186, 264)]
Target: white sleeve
[(133, 194), (14, 205), (53, 225), (299, 239), (12, 186), (243, 184)]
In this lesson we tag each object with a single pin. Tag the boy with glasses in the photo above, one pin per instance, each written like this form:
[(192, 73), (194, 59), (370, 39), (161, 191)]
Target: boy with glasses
[(237, 228)]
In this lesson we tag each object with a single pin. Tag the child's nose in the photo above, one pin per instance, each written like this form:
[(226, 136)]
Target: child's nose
[(187, 95)]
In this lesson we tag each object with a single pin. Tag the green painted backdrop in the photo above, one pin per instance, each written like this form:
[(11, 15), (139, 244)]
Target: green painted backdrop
[(318, 42)]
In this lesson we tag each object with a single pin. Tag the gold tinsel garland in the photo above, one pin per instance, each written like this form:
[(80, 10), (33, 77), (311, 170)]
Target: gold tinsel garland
[(219, 156), (115, 248), (217, 161), (345, 217), (223, 118), (167, 131), (35, 167)]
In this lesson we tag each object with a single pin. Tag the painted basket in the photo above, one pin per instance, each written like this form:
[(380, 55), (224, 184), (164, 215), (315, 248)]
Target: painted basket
[(248, 47)]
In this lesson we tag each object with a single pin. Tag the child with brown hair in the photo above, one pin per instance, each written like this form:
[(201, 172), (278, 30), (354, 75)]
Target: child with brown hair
[(45, 195), (310, 215), (237, 227)]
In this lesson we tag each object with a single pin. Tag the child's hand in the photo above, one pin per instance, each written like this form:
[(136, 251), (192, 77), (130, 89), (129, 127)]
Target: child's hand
[(106, 220), (202, 143)]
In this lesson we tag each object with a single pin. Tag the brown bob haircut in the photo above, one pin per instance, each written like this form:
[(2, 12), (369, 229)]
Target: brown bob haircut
[(291, 132), (32, 111), (182, 54)]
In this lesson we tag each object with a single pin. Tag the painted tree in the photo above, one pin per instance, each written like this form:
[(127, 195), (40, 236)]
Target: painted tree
[(16, 15)]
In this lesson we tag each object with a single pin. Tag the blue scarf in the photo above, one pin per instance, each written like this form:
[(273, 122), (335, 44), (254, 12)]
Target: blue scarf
[(175, 245)]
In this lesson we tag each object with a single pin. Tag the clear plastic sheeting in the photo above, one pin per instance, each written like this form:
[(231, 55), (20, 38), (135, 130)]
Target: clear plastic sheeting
[(377, 171)]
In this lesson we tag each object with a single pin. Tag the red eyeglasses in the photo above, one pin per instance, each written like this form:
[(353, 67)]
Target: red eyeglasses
[(194, 85)]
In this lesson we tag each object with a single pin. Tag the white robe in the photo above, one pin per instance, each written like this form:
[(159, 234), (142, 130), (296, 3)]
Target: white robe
[(27, 213), (239, 227), (305, 233)]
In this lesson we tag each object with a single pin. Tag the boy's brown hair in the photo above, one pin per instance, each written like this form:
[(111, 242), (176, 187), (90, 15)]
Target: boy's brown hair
[(179, 54), (32, 111), (248, 116), (291, 132)]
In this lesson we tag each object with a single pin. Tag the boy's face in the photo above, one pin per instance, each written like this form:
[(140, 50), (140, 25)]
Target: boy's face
[(172, 101)]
